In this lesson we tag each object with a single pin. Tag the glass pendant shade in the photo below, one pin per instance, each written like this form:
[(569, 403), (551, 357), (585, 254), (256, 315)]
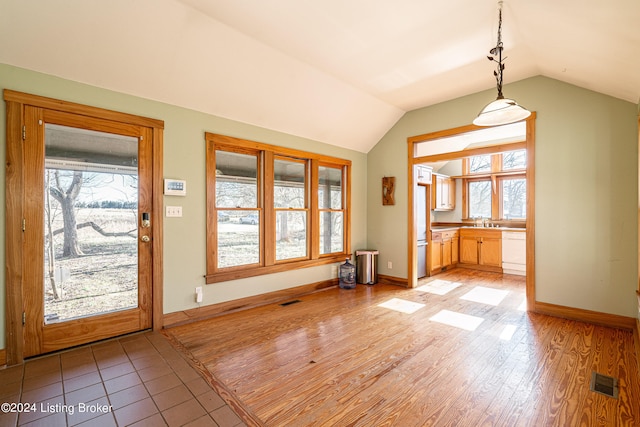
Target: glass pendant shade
[(502, 111)]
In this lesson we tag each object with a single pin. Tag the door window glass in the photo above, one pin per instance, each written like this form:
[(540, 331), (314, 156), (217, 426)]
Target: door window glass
[(90, 223)]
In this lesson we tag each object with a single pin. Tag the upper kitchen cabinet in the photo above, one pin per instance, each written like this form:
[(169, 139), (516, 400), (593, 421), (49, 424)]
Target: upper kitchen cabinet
[(443, 194), (423, 174)]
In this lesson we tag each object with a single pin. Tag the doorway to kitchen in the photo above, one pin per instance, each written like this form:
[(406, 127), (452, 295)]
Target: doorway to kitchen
[(431, 152)]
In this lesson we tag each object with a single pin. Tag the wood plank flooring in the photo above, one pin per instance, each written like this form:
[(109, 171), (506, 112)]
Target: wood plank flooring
[(469, 355)]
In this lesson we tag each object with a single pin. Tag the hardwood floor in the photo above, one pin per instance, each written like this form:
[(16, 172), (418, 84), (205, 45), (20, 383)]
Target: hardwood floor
[(469, 355)]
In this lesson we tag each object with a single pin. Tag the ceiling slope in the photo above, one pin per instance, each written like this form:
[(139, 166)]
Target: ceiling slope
[(338, 72)]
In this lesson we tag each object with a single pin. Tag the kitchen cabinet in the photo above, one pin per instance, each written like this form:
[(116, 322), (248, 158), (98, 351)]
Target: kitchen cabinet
[(443, 193), (481, 248), (436, 252), (444, 250), (423, 174)]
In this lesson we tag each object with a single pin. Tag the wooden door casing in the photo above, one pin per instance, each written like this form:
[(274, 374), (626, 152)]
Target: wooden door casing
[(25, 117)]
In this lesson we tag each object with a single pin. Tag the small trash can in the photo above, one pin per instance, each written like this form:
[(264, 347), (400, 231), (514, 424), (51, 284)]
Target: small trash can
[(367, 267)]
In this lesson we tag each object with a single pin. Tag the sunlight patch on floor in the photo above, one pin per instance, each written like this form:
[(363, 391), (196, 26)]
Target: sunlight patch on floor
[(485, 295), (508, 332), (523, 304), (439, 287), (458, 320), (402, 305)]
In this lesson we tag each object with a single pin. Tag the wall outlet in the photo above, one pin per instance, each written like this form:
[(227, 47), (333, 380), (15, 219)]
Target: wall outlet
[(199, 294), (389, 265)]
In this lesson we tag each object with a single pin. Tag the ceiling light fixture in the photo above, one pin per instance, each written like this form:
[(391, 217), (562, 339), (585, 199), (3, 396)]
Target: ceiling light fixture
[(503, 110)]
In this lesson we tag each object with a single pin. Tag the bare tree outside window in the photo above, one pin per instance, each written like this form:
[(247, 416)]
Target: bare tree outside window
[(514, 160), (331, 210), (514, 198), (90, 225), (479, 196), (269, 207), (290, 202), (480, 164)]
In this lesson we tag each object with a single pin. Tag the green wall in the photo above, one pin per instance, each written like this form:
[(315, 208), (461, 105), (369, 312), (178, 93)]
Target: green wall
[(184, 158), (586, 191)]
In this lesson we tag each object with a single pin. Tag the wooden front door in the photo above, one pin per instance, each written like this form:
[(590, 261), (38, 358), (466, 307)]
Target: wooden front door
[(88, 219)]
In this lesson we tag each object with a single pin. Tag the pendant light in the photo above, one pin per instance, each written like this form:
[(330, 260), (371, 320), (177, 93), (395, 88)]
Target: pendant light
[(503, 110)]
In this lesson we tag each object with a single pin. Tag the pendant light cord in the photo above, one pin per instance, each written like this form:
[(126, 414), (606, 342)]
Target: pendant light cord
[(498, 51)]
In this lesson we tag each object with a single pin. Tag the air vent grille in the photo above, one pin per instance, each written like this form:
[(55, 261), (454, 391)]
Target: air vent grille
[(284, 304), (604, 384)]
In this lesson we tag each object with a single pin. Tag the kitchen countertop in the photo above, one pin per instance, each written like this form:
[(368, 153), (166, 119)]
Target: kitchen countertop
[(452, 227)]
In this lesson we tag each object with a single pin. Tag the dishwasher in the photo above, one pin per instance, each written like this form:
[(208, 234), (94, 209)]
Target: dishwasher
[(514, 252)]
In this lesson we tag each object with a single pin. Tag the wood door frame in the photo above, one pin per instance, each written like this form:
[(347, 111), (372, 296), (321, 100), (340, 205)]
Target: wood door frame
[(14, 207), (412, 159)]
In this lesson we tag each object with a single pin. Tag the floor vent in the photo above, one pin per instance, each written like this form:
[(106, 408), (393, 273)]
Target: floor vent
[(604, 384), (284, 304)]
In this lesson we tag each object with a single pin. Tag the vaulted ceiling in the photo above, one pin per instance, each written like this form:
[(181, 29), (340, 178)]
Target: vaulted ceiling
[(337, 71)]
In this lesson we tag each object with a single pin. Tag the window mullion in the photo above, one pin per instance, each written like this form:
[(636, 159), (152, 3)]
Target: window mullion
[(269, 223), (346, 208), (314, 220)]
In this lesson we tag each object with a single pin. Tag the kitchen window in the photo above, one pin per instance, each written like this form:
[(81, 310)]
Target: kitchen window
[(479, 198), (514, 198), (271, 209), (495, 186)]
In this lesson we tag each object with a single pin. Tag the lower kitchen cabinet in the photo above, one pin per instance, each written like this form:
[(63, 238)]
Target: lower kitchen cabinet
[(436, 253), (444, 250), (481, 248)]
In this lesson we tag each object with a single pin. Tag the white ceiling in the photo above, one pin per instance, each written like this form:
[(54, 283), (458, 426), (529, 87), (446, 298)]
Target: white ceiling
[(337, 71)]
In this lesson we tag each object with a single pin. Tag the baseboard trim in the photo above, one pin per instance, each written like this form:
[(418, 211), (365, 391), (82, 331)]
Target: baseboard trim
[(3, 357), (637, 334), (392, 280), (571, 313), (480, 267), (201, 313)]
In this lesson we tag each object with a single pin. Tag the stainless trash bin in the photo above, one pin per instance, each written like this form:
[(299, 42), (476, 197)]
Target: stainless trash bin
[(367, 267)]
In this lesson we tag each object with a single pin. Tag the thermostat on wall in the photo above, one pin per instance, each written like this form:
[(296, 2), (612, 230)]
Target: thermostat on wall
[(175, 187)]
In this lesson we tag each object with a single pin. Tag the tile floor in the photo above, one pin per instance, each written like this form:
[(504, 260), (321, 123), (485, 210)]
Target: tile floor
[(139, 380)]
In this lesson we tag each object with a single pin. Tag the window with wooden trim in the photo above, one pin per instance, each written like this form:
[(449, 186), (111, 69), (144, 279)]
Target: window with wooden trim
[(495, 186), (271, 209)]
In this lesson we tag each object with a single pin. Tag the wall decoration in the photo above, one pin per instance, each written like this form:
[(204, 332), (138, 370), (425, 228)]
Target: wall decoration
[(388, 187)]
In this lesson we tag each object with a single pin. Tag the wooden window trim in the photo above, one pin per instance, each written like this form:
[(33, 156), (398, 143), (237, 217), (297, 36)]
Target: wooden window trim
[(500, 179), (496, 193), (306, 209), (268, 263), (496, 176), (465, 194)]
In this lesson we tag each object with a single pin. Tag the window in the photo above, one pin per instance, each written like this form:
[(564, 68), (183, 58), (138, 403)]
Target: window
[(496, 186), (330, 204), (272, 209), (479, 199), (237, 202), (514, 160), (290, 203), (480, 164), (514, 198)]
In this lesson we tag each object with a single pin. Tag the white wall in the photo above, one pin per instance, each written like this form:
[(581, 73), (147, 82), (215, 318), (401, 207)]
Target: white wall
[(586, 191), (184, 158)]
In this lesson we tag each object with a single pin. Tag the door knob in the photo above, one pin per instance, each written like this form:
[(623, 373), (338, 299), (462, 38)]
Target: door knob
[(145, 239)]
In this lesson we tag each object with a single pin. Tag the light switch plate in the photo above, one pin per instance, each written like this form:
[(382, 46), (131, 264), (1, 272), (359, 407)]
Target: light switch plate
[(174, 211)]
